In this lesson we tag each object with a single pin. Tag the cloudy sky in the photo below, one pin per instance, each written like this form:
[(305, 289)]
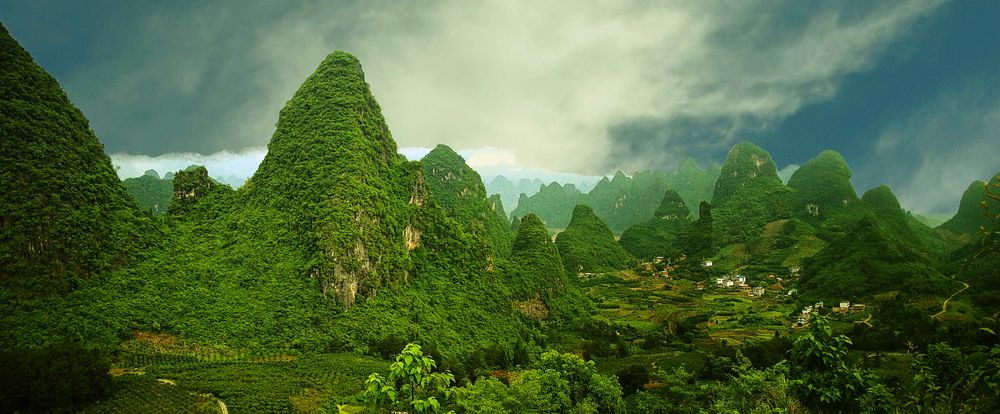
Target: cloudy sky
[(908, 91)]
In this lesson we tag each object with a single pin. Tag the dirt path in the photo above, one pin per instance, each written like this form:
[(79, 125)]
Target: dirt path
[(944, 306), (867, 321), (222, 406)]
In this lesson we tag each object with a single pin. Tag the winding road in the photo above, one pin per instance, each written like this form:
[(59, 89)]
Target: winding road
[(944, 306)]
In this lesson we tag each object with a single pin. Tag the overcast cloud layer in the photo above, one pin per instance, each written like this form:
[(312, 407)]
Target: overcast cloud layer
[(584, 88)]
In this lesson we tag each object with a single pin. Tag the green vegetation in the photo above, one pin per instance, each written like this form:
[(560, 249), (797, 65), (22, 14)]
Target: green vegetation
[(151, 192), (822, 193), (747, 195), (660, 236), (867, 261), (553, 204), (65, 216), (191, 185), (621, 201), (970, 218), (460, 192), (587, 245), (411, 384), (58, 377), (509, 191), (286, 294)]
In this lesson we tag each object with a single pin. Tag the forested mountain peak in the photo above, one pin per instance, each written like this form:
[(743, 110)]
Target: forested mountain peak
[(65, 215), (587, 244), (746, 166), (883, 202), (671, 207), (970, 216), (822, 186), (748, 194), (869, 260), (460, 191), (332, 162)]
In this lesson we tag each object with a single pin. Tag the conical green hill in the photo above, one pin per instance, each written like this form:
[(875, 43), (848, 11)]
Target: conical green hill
[(588, 245), (822, 187), (867, 261), (536, 257), (65, 215), (970, 217), (332, 164), (659, 236), (748, 194)]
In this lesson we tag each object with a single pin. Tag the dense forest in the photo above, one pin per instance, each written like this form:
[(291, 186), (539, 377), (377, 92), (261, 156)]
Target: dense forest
[(344, 278)]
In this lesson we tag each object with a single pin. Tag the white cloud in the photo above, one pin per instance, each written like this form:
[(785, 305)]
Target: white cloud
[(543, 79), (240, 165), (488, 157), (941, 148)]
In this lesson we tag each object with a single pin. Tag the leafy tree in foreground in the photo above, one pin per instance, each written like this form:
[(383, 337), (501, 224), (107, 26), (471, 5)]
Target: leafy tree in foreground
[(411, 383), (819, 364)]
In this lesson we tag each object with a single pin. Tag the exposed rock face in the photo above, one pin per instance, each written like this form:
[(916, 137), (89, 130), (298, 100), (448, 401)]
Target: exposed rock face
[(65, 214), (190, 185)]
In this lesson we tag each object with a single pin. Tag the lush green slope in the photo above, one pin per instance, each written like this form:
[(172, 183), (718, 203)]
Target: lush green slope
[(660, 236), (870, 260), (693, 183), (65, 215), (332, 167), (537, 270), (459, 190), (822, 193), (965, 224), (151, 192), (748, 194), (193, 184), (588, 245)]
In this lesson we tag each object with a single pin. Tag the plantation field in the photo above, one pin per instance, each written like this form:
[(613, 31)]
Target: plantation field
[(157, 375)]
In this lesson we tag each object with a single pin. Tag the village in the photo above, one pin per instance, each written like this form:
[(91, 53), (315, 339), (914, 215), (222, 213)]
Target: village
[(662, 268)]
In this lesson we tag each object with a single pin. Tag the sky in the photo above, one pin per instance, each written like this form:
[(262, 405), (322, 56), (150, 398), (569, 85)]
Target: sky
[(908, 92)]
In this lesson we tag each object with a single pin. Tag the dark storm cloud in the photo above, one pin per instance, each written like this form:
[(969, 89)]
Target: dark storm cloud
[(577, 87)]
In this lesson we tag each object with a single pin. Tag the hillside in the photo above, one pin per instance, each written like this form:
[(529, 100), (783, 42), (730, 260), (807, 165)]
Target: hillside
[(151, 192), (552, 204), (66, 217), (459, 190), (660, 235), (537, 274), (965, 224), (621, 201), (510, 190), (748, 194), (587, 245), (870, 260), (822, 193)]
